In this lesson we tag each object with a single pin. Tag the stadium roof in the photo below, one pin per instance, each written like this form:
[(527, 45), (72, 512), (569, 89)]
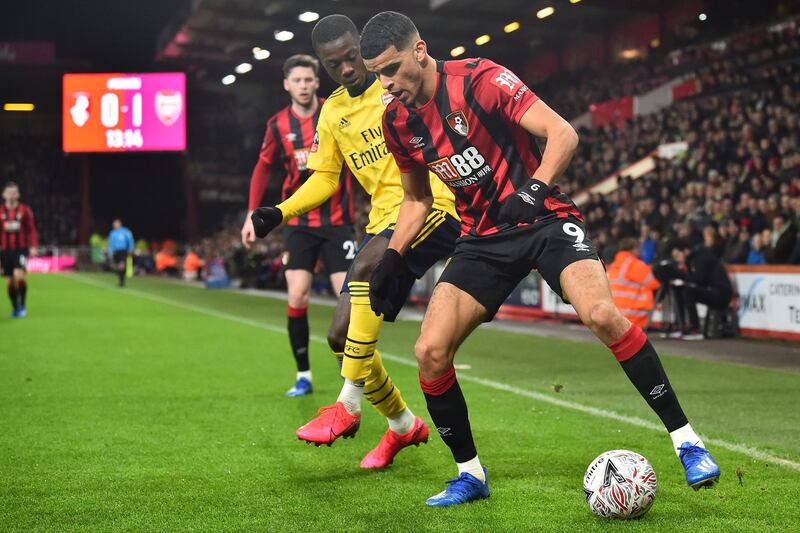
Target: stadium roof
[(212, 37)]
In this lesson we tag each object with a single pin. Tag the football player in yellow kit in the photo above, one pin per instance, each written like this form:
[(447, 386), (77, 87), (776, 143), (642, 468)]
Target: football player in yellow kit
[(349, 132)]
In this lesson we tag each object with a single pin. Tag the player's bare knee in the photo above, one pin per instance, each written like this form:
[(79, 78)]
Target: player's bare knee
[(361, 270), (336, 338), (432, 358), (602, 316), (298, 297)]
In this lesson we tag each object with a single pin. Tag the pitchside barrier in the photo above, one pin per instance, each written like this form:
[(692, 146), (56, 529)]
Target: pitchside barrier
[(768, 302)]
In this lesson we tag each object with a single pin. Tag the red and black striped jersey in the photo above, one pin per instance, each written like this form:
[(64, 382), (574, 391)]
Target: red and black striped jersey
[(469, 135), (284, 151), (17, 228)]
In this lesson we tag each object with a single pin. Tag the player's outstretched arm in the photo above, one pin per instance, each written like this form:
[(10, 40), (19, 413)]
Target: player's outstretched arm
[(317, 189), (562, 140)]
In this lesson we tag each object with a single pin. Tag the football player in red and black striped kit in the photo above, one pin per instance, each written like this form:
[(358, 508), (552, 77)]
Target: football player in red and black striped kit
[(475, 124), (18, 241), (326, 231)]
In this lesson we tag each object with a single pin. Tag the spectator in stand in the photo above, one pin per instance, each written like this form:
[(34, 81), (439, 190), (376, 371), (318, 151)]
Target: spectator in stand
[(737, 243), (649, 247), (782, 240), (695, 276), (756, 254)]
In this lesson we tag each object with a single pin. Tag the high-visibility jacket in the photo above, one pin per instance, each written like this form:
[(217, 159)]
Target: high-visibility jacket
[(632, 285)]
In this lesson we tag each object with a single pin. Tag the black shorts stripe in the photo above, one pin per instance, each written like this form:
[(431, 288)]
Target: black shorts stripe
[(427, 230)]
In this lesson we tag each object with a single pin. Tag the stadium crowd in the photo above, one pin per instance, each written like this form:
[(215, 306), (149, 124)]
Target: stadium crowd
[(737, 186)]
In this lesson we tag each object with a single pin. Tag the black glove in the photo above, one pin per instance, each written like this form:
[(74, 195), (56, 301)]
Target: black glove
[(525, 204), (266, 219), (384, 283)]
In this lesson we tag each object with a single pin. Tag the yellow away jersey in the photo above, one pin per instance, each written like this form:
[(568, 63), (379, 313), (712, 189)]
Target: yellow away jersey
[(349, 130)]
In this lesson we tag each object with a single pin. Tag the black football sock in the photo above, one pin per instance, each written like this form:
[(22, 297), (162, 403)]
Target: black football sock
[(298, 336), (640, 362), (121, 275), (448, 410), (22, 290), (12, 293)]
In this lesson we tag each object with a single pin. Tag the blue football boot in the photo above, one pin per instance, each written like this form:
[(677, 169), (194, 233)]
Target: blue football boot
[(22, 312), (463, 489), (301, 387), (702, 469)]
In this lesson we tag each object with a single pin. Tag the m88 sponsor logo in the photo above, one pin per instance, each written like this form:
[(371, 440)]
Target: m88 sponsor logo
[(461, 170)]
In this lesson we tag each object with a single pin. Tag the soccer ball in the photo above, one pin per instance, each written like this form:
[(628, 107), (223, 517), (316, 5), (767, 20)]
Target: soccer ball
[(620, 484)]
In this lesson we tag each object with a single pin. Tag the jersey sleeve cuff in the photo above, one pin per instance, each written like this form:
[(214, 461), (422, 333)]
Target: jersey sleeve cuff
[(523, 108)]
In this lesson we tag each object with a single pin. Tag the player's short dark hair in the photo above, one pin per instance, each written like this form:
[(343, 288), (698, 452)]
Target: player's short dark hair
[(11, 184), (331, 28), (384, 30), (300, 60), (678, 244)]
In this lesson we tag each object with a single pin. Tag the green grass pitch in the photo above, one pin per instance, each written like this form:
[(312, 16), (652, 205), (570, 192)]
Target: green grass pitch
[(160, 407)]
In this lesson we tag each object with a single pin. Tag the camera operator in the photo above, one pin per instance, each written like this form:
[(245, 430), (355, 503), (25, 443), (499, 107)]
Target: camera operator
[(695, 275)]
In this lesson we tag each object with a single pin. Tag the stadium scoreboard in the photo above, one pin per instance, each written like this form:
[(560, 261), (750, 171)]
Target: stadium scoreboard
[(124, 112)]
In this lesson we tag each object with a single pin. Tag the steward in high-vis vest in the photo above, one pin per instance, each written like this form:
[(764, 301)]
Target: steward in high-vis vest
[(632, 284)]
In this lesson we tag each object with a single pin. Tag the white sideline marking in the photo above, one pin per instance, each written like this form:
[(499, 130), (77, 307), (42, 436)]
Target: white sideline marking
[(753, 453)]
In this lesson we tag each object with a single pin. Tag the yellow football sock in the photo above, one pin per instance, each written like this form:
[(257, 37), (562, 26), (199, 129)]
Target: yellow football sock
[(362, 334), (381, 391), (362, 363)]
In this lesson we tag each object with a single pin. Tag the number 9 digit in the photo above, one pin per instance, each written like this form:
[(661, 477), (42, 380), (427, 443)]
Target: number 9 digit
[(573, 230)]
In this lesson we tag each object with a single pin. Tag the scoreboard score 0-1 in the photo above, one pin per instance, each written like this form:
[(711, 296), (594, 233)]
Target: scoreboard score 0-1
[(124, 112)]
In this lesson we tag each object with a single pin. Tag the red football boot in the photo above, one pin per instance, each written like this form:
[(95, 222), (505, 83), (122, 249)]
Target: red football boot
[(330, 423), (391, 443)]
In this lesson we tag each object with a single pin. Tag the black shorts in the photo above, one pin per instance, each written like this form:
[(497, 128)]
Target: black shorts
[(13, 259), (435, 242), (303, 246), (119, 256), (489, 268)]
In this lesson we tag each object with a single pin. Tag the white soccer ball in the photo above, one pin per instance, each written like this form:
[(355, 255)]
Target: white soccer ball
[(620, 484)]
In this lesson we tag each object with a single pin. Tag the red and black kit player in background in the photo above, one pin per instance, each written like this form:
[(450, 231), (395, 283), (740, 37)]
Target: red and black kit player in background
[(474, 124), (326, 231), (18, 241)]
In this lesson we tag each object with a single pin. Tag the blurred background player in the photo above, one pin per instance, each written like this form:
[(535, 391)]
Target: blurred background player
[(18, 241), (120, 248), (325, 231), (349, 131)]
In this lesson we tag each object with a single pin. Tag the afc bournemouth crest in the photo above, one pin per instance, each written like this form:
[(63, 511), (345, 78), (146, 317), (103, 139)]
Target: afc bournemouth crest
[(458, 122)]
